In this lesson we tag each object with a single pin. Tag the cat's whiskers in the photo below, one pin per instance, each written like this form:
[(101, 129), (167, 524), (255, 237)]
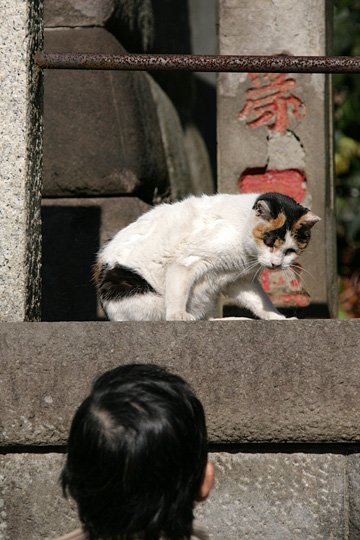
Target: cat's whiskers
[(257, 273), (297, 267), (296, 272), (291, 275), (253, 264)]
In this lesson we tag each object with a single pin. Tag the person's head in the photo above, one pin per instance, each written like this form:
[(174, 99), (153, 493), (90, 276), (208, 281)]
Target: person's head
[(137, 455)]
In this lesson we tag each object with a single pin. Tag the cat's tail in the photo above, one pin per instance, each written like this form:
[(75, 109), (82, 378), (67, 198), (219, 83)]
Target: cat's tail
[(124, 294)]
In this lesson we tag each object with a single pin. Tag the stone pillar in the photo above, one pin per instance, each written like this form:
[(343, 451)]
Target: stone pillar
[(20, 171), (274, 131)]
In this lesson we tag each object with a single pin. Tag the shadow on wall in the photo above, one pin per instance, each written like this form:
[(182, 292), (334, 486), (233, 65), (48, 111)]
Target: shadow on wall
[(205, 118), (70, 243)]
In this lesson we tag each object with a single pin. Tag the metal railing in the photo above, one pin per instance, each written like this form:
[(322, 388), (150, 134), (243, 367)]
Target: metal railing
[(190, 62)]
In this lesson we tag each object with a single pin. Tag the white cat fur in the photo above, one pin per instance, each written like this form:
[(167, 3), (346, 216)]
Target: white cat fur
[(194, 253)]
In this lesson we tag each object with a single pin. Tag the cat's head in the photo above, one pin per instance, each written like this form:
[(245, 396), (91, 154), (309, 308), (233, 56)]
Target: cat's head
[(282, 229)]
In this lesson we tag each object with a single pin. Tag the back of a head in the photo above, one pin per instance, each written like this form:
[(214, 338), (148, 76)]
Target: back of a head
[(137, 452)]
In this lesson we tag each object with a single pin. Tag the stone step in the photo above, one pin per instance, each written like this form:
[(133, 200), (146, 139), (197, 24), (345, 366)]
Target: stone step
[(257, 496), (259, 381)]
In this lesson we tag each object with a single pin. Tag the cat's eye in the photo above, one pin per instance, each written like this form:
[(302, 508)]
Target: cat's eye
[(289, 251), (269, 241)]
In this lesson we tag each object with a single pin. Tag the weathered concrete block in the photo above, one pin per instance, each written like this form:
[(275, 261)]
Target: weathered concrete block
[(303, 385), (275, 129), (78, 12), (353, 479), (102, 134), (20, 172), (276, 497), (186, 154), (73, 230), (256, 496), (32, 505), (199, 163)]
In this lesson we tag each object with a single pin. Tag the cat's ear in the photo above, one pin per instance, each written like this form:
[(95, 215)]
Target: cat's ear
[(309, 219), (262, 209)]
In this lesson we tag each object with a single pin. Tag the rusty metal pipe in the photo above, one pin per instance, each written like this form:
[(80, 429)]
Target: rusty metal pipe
[(183, 62)]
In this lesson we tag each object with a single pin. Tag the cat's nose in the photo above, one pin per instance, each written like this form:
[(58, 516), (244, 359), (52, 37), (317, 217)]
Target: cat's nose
[(273, 265)]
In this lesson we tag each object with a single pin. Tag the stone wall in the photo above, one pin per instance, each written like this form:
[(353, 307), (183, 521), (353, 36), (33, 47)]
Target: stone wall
[(21, 154), (282, 406)]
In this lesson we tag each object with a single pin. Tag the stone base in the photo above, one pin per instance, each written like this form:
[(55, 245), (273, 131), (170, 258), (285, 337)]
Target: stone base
[(302, 386), (256, 496)]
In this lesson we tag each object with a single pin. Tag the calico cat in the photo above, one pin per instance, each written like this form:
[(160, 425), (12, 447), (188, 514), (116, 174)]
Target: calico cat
[(179, 261)]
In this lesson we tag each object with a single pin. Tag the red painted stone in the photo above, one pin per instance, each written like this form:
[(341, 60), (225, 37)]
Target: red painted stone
[(291, 299), (284, 292), (269, 101), (289, 182)]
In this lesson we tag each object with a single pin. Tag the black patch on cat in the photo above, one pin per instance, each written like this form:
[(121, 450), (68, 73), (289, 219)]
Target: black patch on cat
[(279, 203), (302, 235), (121, 282), (270, 237)]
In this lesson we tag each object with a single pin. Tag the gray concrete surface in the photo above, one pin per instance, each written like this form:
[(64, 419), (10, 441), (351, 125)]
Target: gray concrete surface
[(278, 496), (185, 151), (114, 133), (102, 134), (353, 474), (273, 381), (20, 172), (254, 27), (75, 13)]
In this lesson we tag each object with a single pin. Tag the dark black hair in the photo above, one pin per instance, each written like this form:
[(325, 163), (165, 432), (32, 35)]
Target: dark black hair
[(137, 453)]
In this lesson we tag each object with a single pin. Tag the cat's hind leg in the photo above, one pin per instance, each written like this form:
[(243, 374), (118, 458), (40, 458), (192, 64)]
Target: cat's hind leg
[(127, 296), (138, 307)]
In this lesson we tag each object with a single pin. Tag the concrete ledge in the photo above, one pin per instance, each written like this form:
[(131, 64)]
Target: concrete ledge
[(259, 381), (256, 496)]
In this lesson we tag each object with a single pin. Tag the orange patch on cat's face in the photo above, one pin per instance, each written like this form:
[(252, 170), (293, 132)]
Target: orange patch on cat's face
[(262, 228)]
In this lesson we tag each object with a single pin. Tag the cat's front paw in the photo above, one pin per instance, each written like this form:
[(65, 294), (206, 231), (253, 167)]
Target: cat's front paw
[(280, 317), (273, 317), (180, 316)]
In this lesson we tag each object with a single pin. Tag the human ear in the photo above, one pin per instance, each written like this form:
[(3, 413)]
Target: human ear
[(207, 483)]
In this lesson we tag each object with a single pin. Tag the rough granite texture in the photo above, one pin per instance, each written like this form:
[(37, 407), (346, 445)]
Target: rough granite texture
[(263, 28), (20, 172), (256, 497), (353, 474), (276, 497), (269, 381), (73, 230)]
